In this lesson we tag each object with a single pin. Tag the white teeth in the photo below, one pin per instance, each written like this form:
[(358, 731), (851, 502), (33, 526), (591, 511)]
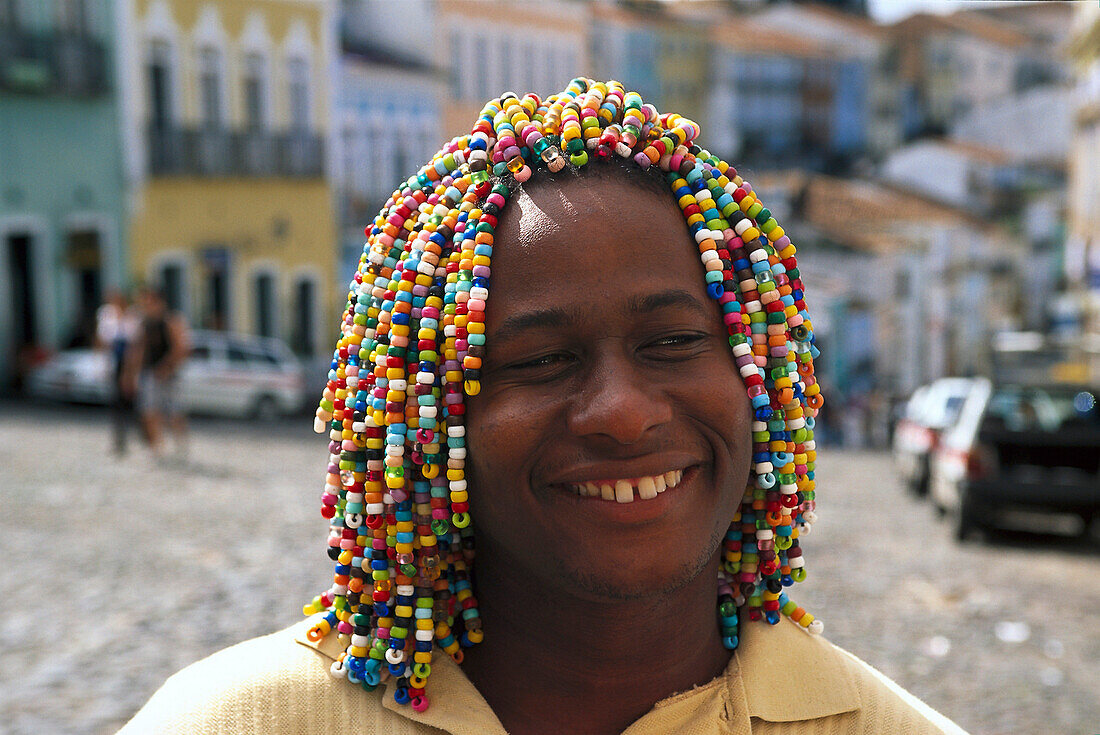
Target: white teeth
[(623, 491)]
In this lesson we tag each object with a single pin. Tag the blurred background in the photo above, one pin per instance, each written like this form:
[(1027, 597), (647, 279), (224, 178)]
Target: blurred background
[(211, 164)]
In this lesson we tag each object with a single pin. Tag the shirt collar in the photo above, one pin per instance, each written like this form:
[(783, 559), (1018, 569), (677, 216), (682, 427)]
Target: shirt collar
[(778, 673), (789, 675)]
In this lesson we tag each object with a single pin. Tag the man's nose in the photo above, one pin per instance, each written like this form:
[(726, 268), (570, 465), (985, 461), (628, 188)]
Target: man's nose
[(619, 402)]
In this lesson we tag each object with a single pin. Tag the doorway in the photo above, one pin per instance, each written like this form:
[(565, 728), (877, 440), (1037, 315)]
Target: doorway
[(24, 316)]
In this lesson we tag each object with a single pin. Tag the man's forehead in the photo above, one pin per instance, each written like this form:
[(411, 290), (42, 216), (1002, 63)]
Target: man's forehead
[(549, 207)]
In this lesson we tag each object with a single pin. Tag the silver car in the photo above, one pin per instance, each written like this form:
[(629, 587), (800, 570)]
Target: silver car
[(225, 375)]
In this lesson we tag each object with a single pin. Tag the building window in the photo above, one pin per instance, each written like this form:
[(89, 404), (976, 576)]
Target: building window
[(264, 318), (210, 87), (298, 94), (215, 288), (159, 71), (72, 17), (255, 93), (172, 282), (9, 14), (302, 339)]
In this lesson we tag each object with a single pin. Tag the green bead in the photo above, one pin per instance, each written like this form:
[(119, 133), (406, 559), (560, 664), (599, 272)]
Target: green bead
[(579, 159)]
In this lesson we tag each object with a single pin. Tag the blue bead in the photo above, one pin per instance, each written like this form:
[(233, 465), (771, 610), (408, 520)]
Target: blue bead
[(730, 642), (401, 695), (772, 616), (715, 290), (396, 669)]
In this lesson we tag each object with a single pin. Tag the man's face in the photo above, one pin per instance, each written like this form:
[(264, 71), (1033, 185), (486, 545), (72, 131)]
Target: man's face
[(605, 361)]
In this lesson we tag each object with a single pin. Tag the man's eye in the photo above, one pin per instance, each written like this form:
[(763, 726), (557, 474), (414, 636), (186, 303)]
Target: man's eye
[(677, 340), (540, 361)]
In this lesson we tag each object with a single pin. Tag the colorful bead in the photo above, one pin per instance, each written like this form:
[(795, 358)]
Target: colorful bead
[(411, 349)]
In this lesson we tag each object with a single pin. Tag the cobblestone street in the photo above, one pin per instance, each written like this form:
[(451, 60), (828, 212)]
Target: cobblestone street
[(116, 573)]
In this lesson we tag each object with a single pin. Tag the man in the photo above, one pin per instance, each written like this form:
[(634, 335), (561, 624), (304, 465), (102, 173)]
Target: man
[(153, 364), (596, 420)]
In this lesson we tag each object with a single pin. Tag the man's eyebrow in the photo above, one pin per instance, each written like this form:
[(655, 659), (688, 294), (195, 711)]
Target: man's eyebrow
[(539, 318), (665, 299)]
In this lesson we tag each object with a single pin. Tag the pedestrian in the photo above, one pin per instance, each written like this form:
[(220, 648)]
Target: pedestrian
[(627, 434), (153, 366), (116, 327)]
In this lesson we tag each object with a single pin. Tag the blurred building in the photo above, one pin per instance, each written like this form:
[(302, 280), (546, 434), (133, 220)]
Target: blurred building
[(951, 64), (1082, 262), (388, 109), (908, 289), (659, 49), (62, 231), (867, 105), (226, 117), (528, 47)]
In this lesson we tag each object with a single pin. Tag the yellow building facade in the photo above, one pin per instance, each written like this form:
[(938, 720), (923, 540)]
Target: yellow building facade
[(226, 118)]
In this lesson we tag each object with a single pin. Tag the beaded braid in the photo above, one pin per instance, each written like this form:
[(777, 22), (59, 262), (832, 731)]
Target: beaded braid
[(411, 346)]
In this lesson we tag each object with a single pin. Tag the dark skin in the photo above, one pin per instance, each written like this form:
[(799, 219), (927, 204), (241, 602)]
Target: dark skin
[(605, 359)]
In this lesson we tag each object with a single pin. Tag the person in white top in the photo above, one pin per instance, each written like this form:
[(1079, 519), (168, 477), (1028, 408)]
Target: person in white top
[(116, 327)]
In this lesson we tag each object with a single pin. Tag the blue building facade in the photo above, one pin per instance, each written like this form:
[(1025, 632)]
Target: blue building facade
[(62, 193)]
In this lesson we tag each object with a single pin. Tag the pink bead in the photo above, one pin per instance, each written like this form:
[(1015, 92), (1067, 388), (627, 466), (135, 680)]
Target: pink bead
[(419, 703)]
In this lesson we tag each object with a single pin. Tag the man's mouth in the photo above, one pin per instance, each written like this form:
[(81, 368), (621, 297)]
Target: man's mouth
[(628, 489)]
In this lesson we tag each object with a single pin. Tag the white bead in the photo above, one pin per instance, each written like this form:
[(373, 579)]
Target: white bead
[(796, 563), (708, 255), (425, 635), (376, 508), (337, 671), (353, 520), (394, 656), (816, 627), (747, 370), (395, 450), (424, 378), (457, 485), (456, 431), (742, 226), (756, 426), (809, 516), (479, 292), (360, 641), (764, 534), (406, 590), (764, 467), (757, 255), (457, 453), (739, 350), (428, 412), (401, 385), (753, 306)]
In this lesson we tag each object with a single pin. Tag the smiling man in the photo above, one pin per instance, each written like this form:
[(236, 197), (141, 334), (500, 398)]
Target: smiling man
[(623, 422)]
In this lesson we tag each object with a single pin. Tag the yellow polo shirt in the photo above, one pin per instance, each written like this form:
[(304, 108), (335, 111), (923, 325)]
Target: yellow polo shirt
[(780, 680)]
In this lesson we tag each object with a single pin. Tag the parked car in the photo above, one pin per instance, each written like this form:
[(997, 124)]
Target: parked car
[(931, 409), (1019, 447), (225, 374)]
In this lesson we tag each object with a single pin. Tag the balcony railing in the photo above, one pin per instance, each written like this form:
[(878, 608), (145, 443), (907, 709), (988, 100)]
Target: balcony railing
[(52, 64), (216, 152)]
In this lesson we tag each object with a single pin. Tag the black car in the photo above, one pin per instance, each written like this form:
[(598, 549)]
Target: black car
[(1020, 447)]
